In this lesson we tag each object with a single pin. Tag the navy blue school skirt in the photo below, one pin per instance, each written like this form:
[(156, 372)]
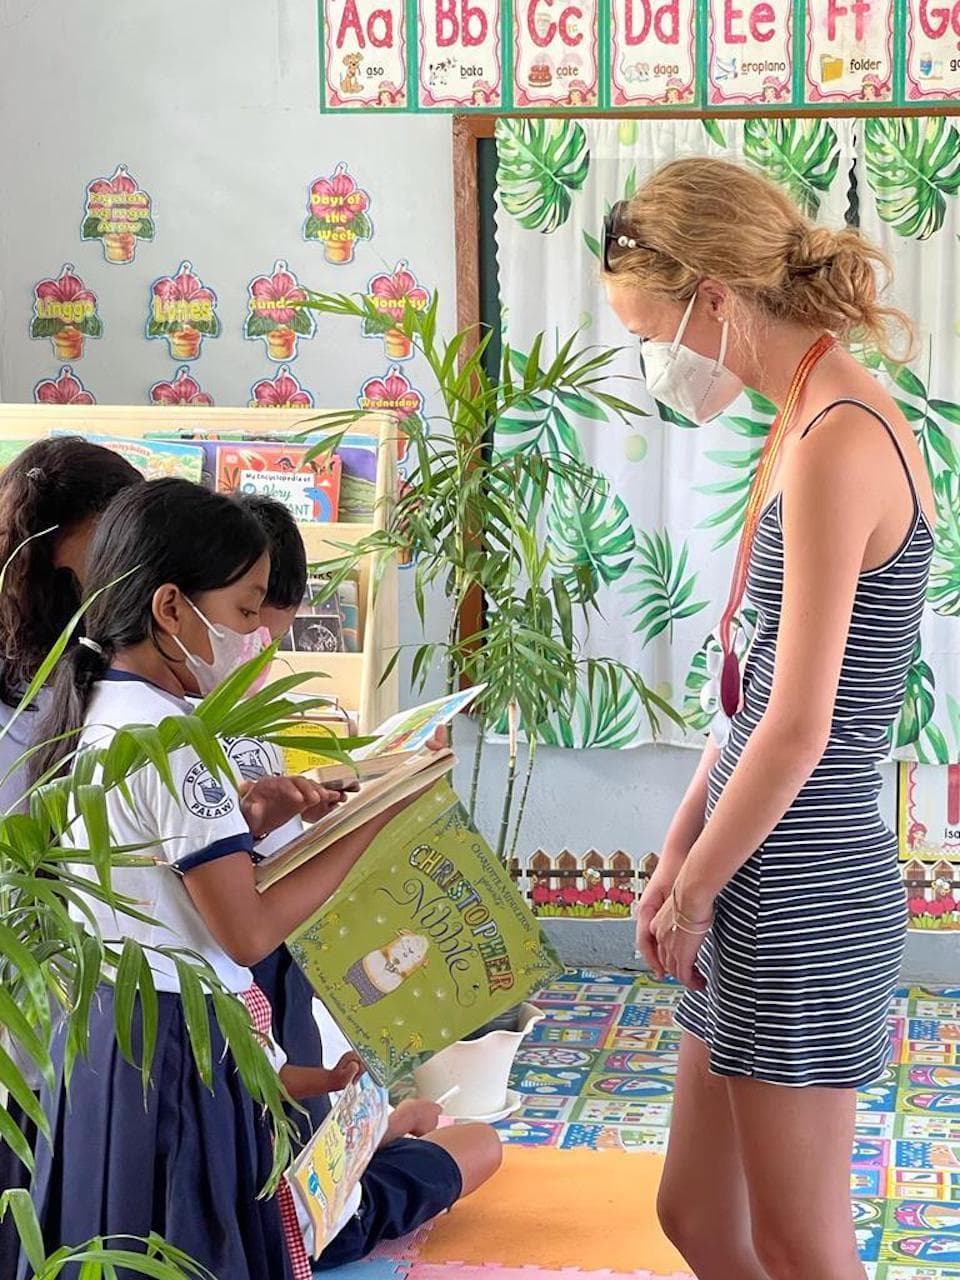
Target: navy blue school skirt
[(295, 1028), (188, 1163)]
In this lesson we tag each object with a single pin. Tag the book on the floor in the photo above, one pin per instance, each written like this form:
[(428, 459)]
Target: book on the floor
[(402, 766), (329, 1167), (426, 939)]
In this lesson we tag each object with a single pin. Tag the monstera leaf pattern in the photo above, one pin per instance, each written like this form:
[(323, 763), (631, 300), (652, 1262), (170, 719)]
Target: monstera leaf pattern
[(944, 592), (802, 156), (589, 535), (541, 162), (657, 525), (913, 165)]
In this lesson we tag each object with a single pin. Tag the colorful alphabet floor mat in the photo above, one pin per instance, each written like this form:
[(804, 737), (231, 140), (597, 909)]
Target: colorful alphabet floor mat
[(596, 1076)]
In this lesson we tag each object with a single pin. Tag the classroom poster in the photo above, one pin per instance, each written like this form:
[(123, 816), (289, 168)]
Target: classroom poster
[(118, 213), (653, 52), (750, 52), (182, 310), (555, 54), (338, 215), (929, 837), (933, 50), (65, 311), (460, 53), (849, 51), (273, 313), (365, 53)]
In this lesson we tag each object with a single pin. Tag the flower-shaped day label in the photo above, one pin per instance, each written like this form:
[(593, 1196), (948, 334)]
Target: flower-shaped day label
[(337, 215), (66, 388), (274, 314), (65, 311), (393, 394), (282, 392), (390, 295), (118, 213), (184, 311), (182, 388)]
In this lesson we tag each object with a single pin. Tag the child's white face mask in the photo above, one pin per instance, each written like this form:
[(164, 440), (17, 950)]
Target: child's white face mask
[(231, 649), (691, 384)]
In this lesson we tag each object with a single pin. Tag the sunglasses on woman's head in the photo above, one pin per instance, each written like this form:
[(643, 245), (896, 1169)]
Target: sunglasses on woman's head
[(615, 234)]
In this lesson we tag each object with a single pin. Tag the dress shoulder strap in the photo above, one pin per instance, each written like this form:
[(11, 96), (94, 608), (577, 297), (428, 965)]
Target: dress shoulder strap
[(874, 413)]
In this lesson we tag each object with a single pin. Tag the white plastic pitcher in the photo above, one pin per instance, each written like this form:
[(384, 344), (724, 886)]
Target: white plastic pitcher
[(481, 1069)]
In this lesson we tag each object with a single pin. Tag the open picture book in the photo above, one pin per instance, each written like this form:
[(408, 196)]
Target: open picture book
[(329, 1167), (392, 768), (426, 939)]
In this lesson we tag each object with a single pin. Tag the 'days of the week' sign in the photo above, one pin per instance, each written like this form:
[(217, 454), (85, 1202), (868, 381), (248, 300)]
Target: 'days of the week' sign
[(365, 54), (460, 53), (933, 50), (653, 52), (849, 51)]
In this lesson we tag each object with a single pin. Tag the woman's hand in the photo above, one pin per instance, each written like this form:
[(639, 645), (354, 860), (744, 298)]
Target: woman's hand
[(651, 900), (271, 801), (678, 937)]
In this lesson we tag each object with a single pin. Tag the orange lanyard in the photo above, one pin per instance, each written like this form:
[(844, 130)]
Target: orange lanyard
[(759, 490)]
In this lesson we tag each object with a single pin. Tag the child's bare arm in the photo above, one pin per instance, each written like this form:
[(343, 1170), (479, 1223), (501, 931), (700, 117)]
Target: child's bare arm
[(415, 1116), (311, 1082)]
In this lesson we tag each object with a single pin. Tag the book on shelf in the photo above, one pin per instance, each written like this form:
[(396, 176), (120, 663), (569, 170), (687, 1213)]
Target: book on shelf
[(326, 623), (154, 459), (426, 939), (309, 488), (393, 767), (327, 1170)]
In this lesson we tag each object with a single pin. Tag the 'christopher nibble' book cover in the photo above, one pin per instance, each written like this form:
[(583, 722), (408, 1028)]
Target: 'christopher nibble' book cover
[(427, 939)]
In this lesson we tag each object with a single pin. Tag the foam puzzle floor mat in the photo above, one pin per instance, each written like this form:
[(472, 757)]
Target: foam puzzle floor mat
[(597, 1075)]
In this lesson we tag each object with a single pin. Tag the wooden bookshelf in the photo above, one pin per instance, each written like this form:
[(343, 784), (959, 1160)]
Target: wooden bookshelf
[(355, 679)]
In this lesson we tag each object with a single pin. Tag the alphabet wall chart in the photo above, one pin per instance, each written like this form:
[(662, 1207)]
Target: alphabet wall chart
[(583, 55)]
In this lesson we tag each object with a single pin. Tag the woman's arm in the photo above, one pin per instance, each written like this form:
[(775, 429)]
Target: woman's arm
[(830, 511), (682, 834)]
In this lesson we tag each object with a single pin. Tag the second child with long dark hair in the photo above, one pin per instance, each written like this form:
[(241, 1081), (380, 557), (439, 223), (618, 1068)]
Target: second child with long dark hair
[(182, 574)]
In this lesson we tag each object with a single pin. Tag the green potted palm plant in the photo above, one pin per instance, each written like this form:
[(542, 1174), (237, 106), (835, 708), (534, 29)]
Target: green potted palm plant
[(500, 509)]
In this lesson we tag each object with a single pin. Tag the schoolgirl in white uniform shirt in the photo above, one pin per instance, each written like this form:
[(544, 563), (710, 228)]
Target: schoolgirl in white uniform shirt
[(181, 574)]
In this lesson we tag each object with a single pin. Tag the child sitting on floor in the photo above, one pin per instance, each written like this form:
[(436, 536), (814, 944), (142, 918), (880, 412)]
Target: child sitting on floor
[(419, 1170)]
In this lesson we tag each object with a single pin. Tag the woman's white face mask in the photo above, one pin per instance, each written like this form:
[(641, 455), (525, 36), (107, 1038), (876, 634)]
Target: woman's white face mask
[(686, 381)]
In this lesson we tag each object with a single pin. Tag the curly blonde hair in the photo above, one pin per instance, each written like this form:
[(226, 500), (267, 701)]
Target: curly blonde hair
[(703, 217)]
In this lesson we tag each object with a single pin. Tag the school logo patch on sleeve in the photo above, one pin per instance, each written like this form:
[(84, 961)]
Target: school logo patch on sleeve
[(249, 757), (204, 796)]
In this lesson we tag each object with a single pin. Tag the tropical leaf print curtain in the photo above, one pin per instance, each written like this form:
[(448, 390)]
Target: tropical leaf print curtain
[(658, 530)]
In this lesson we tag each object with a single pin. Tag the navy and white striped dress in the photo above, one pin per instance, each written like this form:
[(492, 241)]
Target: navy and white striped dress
[(805, 951)]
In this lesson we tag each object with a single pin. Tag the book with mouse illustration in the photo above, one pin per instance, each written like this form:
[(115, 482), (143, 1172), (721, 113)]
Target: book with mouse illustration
[(426, 939)]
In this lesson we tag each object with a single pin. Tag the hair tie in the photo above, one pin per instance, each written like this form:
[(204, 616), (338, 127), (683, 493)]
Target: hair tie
[(36, 473), (92, 645)]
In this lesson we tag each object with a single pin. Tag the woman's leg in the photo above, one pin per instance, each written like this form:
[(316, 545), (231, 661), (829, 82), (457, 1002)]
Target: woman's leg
[(476, 1150), (703, 1204), (796, 1146)]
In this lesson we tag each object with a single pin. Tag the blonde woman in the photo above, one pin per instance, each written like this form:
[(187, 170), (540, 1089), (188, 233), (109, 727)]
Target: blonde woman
[(778, 901)]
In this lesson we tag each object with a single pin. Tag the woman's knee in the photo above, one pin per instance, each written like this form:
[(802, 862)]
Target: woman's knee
[(679, 1219), (793, 1251)]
